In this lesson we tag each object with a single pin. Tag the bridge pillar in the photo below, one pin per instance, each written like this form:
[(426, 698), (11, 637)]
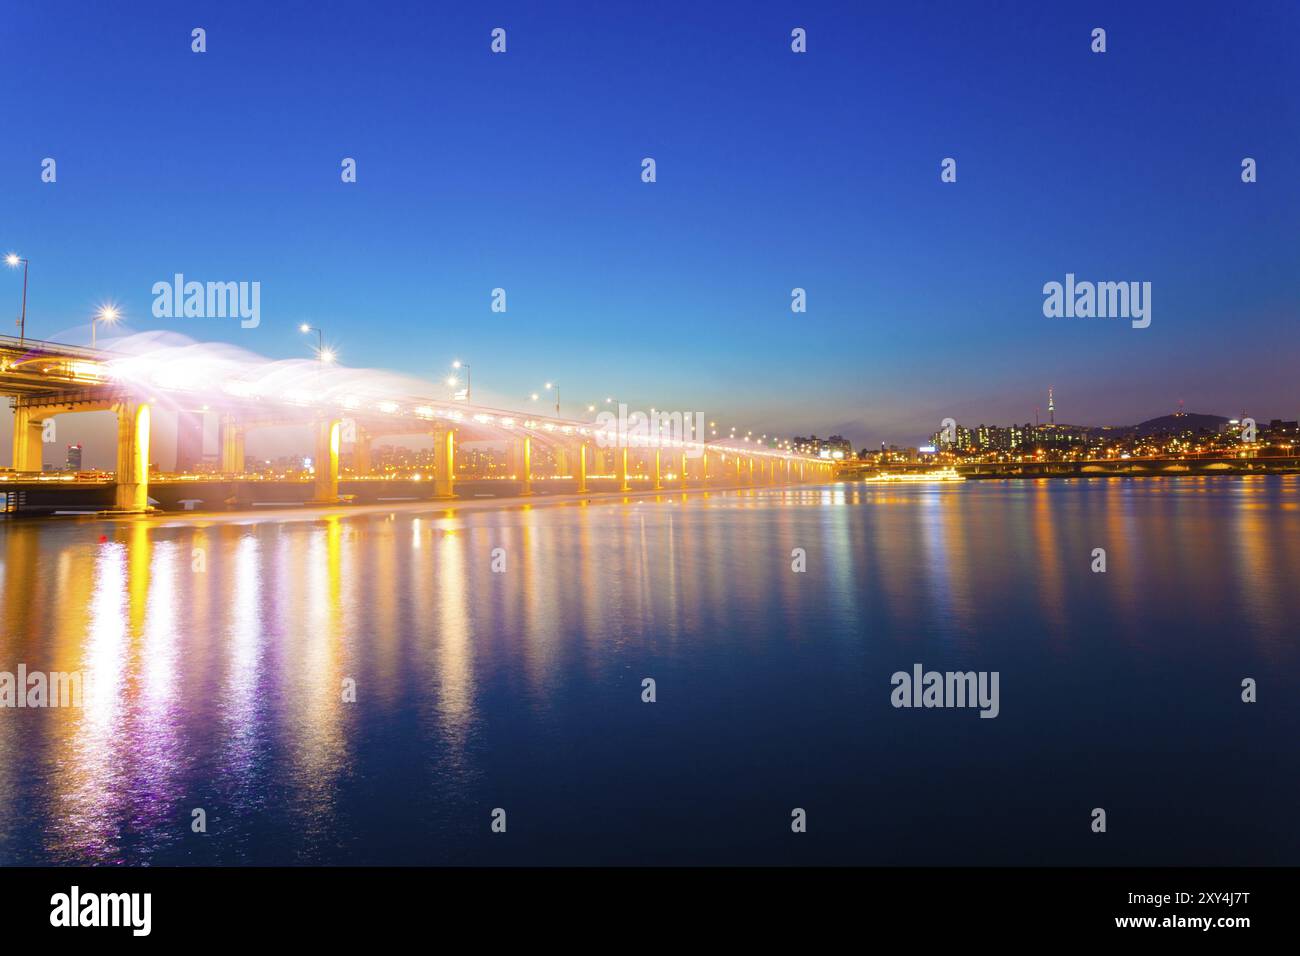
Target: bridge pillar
[(232, 446), (620, 457), (326, 489), (658, 473), (561, 456), (364, 444), (27, 439), (444, 462), (582, 468), (683, 474), (704, 469), (132, 491), (524, 463)]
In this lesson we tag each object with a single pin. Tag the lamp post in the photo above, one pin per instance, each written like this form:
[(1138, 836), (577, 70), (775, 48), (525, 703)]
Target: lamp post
[(12, 259), (306, 329), (469, 382), (325, 355), (552, 385), (108, 314)]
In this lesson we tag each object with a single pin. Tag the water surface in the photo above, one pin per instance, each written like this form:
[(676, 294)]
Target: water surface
[(220, 649)]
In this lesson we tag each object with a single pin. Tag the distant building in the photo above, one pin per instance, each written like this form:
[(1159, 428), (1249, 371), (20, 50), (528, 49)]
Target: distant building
[(837, 447), (73, 461)]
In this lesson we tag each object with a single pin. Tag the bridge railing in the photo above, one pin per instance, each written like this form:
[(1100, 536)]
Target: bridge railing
[(10, 342)]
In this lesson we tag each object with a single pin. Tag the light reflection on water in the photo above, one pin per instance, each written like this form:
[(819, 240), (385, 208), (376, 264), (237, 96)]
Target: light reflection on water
[(220, 647)]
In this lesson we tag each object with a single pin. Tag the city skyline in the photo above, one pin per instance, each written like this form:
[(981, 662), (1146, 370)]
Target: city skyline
[(471, 179), (567, 437)]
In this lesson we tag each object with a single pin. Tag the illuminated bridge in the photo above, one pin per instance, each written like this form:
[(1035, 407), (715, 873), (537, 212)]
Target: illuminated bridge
[(150, 374)]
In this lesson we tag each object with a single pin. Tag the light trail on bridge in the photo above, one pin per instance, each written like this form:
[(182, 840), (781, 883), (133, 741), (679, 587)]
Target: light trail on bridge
[(166, 371)]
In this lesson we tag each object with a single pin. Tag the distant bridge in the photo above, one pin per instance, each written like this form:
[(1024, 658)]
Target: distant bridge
[(47, 379), (1136, 467), (1219, 464)]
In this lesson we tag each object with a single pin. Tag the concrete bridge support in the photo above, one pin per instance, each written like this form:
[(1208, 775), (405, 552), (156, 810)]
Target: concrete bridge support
[(361, 449), (132, 493), (683, 475), (620, 457), (28, 426), (581, 458), (326, 462), (232, 446), (444, 462), (523, 463), (658, 470)]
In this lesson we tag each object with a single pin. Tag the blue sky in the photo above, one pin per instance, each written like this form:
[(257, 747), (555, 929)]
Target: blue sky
[(775, 170)]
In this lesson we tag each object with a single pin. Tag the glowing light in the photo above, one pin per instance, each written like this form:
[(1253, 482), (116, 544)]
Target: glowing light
[(12, 259), (388, 408), (91, 371)]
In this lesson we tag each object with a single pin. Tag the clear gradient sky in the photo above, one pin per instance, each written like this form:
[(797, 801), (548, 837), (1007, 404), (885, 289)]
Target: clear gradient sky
[(775, 170)]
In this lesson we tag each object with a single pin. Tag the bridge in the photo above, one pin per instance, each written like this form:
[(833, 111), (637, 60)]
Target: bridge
[(340, 406), (1250, 461)]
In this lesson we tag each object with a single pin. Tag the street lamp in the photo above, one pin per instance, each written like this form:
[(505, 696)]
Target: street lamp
[(552, 385), (322, 353), (108, 314), (469, 383), (13, 260)]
